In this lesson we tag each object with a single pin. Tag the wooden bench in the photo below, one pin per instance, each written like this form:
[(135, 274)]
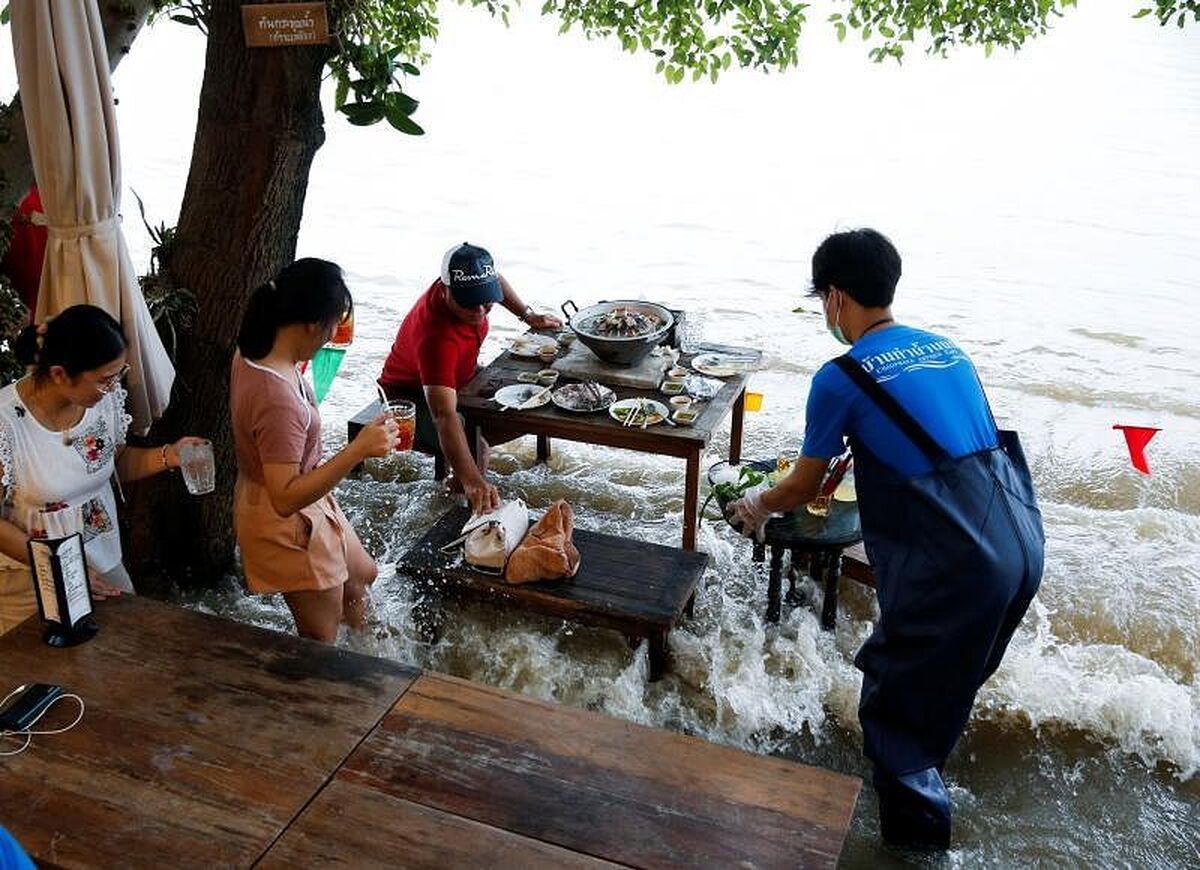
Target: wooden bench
[(630, 586), (856, 567), (370, 412)]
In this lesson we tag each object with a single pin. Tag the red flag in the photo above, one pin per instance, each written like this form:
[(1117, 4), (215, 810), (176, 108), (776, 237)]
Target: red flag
[(1136, 438)]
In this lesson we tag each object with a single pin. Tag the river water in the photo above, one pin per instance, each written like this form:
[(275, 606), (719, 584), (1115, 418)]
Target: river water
[(1048, 209)]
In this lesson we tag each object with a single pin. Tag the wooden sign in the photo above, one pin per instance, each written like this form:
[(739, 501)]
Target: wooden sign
[(272, 25)]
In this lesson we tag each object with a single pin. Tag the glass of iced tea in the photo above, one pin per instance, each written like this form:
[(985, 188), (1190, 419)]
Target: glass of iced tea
[(404, 413)]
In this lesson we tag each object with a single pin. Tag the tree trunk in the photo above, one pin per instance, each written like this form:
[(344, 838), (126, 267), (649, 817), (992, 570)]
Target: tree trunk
[(123, 20), (259, 126)]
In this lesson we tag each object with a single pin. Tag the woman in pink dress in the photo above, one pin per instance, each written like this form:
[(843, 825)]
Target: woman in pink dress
[(293, 535)]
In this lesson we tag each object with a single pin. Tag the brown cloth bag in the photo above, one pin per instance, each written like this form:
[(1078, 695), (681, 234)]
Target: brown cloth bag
[(546, 553)]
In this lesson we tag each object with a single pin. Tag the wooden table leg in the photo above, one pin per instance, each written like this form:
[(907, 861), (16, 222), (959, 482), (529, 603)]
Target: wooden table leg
[(474, 440), (735, 428), (833, 566), (659, 653), (543, 448), (691, 500), (775, 584)]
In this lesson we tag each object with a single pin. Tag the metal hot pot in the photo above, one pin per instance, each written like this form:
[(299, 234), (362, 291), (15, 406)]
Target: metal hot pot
[(618, 350)]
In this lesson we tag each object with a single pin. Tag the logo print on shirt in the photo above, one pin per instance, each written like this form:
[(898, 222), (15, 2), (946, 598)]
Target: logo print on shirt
[(938, 354)]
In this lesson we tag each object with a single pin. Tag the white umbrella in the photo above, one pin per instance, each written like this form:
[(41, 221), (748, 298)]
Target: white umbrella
[(62, 72)]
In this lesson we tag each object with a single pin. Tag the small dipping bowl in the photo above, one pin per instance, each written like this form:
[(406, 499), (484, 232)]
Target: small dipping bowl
[(528, 377), (547, 377), (681, 403), (685, 416), (672, 388), (548, 353), (565, 339), (678, 373)]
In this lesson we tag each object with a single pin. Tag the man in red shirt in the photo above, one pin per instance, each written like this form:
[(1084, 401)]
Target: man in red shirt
[(436, 353)]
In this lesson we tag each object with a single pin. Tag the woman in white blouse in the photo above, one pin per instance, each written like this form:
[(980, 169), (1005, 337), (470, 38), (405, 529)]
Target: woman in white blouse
[(62, 435)]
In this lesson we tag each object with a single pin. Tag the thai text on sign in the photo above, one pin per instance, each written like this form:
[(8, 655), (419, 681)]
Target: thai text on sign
[(270, 25)]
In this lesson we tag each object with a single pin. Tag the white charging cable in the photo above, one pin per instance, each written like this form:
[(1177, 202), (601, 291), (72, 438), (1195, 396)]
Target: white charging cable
[(29, 733)]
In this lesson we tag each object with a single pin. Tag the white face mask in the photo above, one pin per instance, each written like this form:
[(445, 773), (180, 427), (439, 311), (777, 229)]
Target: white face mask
[(835, 328)]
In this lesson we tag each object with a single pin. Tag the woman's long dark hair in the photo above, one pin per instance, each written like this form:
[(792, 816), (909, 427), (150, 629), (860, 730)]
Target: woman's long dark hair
[(80, 338), (307, 291)]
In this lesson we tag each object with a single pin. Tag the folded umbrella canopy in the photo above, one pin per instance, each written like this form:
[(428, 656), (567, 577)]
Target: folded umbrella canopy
[(62, 73)]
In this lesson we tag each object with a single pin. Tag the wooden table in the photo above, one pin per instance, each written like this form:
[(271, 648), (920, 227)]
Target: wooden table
[(463, 775), (634, 587), (208, 743), (685, 442), (202, 739)]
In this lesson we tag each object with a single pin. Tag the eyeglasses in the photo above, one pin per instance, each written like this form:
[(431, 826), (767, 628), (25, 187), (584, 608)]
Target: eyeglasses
[(108, 384)]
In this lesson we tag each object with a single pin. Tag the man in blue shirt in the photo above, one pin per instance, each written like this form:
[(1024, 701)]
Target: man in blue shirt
[(949, 520)]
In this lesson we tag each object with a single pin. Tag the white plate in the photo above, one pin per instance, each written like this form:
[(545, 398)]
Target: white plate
[(656, 411), (720, 366), (562, 395), (527, 346), (515, 395)]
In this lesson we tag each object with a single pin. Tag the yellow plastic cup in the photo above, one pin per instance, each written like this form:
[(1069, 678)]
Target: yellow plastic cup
[(754, 401)]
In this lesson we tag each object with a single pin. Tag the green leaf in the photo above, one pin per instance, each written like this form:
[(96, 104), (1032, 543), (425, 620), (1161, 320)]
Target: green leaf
[(410, 69), (1142, 13), (343, 88), (397, 101), (841, 31), (185, 19), (405, 124), (4, 14), (364, 114)]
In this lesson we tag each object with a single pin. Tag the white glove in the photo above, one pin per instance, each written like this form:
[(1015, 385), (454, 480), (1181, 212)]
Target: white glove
[(749, 513)]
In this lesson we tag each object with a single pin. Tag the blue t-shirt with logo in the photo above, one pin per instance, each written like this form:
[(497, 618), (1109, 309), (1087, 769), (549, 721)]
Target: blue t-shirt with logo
[(927, 374)]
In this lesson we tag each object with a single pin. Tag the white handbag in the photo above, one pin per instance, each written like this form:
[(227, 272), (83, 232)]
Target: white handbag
[(491, 537)]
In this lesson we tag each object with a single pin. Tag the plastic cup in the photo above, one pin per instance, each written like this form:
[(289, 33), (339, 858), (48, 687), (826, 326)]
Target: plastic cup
[(343, 333), (548, 352), (404, 413), (681, 403), (565, 339), (547, 377), (198, 467), (819, 506)]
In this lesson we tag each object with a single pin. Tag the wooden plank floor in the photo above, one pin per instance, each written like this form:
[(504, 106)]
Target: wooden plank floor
[(203, 738), (538, 776), (209, 743)]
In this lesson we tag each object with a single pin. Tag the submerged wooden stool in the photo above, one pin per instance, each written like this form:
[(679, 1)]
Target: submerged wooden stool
[(636, 588), (815, 542)]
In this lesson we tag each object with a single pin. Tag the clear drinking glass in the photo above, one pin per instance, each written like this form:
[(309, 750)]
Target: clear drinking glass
[(198, 467), (819, 506), (404, 413), (691, 332), (786, 459)]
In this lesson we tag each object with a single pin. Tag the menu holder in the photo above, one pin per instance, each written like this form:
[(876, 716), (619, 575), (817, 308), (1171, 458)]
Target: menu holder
[(63, 595)]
